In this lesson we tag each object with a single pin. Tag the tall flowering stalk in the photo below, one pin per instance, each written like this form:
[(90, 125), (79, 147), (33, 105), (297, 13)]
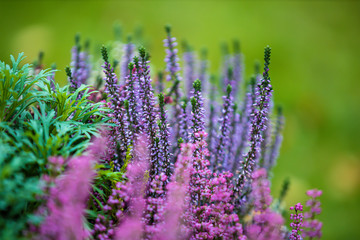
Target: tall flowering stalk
[(245, 125), (237, 70), (233, 139), (203, 73), (189, 68), (172, 63), (266, 138), (273, 152), (128, 54), (155, 201), (226, 65), (51, 78), (149, 116), (312, 226), (80, 66), (118, 138), (183, 124), (132, 96), (173, 69), (164, 138), (223, 137), (212, 118), (198, 112), (297, 222), (259, 116)]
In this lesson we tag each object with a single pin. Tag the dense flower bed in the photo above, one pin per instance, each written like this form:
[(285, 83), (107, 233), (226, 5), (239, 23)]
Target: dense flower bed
[(129, 157)]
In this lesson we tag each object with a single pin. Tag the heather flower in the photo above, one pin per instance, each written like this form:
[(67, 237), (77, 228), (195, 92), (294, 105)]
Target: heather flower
[(164, 141), (233, 139), (273, 152), (51, 78), (226, 65), (119, 137), (245, 125), (172, 70), (160, 82), (116, 205), (198, 116), (312, 226), (261, 190), (65, 208), (149, 117), (297, 222), (223, 137), (267, 137), (183, 124), (173, 226), (212, 121), (131, 226), (132, 96), (128, 54), (171, 59), (189, 69), (258, 116), (237, 70), (80, 66), (203, 74), (266, 224), (155, 200)]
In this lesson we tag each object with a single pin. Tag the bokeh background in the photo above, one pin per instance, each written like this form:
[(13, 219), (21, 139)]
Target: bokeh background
[(315, 73)]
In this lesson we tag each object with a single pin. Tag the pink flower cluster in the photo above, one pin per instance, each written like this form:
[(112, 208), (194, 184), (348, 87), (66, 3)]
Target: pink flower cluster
[(266, 224), (312, 226), (297, 222)]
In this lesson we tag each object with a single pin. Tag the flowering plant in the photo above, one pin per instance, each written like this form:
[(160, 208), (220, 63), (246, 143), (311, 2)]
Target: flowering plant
[(133, 158)]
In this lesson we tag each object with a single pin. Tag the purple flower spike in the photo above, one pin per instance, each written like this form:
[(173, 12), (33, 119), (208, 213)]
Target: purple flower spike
[(173, 227), (261, 190), (155, 205), (189, 69), (132, 96), (297, 221), (164, 138), (203, 74), (80, 66), (51, 78), (172, 70), (149, 116), (273, 153), (312, 226), (238, 69), (244, 129), (172, 63), (266, 223), (259, 116), (132, 225), (183, 124), (128, 54), (233, 139), (198, 112), (66, 203), (223, 137), (120, 134)]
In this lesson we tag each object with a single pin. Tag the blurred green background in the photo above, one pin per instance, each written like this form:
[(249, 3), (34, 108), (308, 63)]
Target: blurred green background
[(315, 73)]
